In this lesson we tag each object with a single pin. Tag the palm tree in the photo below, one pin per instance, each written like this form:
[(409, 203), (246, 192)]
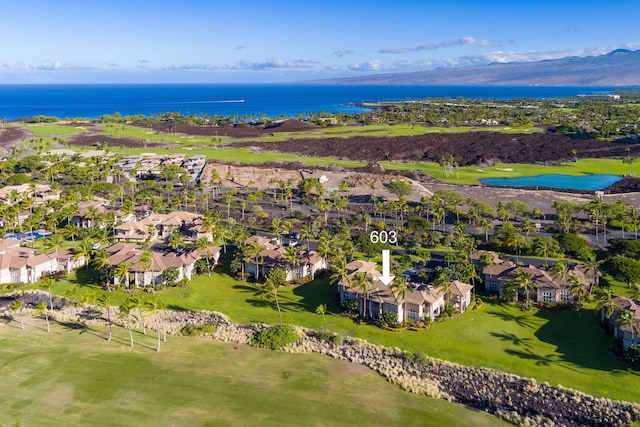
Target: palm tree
[(122, 272), (523, 279), (339, 269), (306, 232), (292, 257), (136, 301), (53, 244), (528, 226), (41, 308), (84, 250), (17, 305), (255, 251), (399, 290), (515, 241), (70, 294), (325, 206), (47, 283), (322, 309), (362, 282), (442, 283), (70, 231), (627, 319), (125, 313), (560, 270), (154, 305), (203, 245), (105, 302), (270, 289), (160, 306), (605, 303), (323, 248), (579, 292), (146, 263), (486, 225)]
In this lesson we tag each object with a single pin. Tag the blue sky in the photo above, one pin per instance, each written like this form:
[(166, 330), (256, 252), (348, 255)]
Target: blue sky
[(261, 41)]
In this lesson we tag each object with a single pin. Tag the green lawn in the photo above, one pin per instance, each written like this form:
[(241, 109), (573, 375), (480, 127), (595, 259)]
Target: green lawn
[(471, 174), (73, 377), (120, 130), (126, 131), (558, 347), (49, 130), (246, 155), (394, 130)]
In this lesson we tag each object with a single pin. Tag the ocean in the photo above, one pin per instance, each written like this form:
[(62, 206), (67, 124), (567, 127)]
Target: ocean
[(245, 101)]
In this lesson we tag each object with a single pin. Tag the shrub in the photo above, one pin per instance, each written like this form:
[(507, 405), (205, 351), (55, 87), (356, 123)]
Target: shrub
[(169, 276), (328, 337), (420, 358), (408, 357), (350, 305), (193, 330), (632, 356), (449, 310), (389, 318), (275, 337), (208, 328), (623, 269), (190, 330)]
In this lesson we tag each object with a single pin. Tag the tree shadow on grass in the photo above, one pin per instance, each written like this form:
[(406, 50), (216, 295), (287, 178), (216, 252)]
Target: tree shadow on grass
[(175, 307), (539, 359), (245, 287), (81, 328), (513, 338), (315, 293), (578, 339), (523, 320), (9, 321)]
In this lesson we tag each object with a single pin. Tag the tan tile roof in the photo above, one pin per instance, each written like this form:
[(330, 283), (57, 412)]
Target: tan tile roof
[(459, 288)]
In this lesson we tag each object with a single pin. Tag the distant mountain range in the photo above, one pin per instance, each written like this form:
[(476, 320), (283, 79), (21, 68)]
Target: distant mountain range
[(620, 67)]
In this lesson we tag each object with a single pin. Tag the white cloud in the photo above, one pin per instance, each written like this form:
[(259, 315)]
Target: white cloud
[(273, 63), (378, 65), (42, 66), (529, 56), (469, 41), (343, 52)]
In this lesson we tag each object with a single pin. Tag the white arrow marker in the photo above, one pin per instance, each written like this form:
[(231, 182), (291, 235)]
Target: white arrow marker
[(386, 278)]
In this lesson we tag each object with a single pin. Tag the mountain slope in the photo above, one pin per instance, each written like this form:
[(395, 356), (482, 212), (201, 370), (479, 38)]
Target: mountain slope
[(618, 68)]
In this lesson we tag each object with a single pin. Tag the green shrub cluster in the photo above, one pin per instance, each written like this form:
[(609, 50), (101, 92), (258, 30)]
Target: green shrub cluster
[(328, 337), (418, 358), (623, 269), (193, 330), (389, 318), (632, 357), (11, 286), (275, 337)]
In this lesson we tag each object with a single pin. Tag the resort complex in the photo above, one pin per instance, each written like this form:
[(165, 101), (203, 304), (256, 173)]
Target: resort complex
[(365, 238)]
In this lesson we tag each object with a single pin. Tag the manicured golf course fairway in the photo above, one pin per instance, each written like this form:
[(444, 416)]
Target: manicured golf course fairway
[(73, 377), (559, 347)]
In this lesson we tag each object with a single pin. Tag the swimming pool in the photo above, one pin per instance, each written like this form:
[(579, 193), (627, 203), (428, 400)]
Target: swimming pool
[(582, 182), (29, 235)]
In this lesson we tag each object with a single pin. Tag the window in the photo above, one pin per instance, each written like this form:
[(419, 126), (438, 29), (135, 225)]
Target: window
[(15, 276), (547, 296), (565, 295)]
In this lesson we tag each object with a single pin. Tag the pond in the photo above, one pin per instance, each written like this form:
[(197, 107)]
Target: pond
[(583, 182)]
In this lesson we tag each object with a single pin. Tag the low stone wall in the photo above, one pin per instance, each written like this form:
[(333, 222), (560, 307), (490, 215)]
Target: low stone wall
[(516, 399)]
